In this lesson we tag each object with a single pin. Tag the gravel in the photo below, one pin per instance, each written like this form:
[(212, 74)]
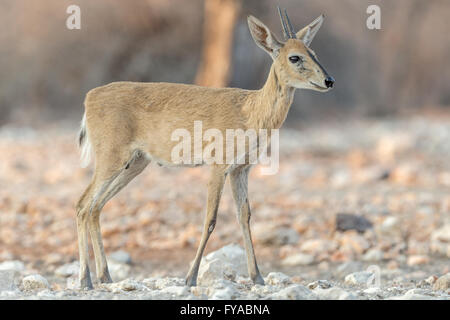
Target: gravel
[(220, 285), (391, 177)]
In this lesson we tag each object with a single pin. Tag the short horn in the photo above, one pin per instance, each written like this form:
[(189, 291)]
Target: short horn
[(283, 24), (291, 29)]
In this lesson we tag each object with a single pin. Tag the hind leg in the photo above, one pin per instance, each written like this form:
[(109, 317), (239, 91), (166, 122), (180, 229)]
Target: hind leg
[(107, 182), (82, 212), (130, 170)]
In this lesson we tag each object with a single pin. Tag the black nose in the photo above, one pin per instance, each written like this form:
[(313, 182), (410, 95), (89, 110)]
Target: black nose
[(329, 82)]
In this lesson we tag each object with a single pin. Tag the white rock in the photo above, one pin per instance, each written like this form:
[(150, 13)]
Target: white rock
[(68, 269), (440, 241), (72, 283), (176, 291), (277, 278), (7, 280), (121, 256), (10, 294), (349, 267), (118, 271), (373, 290), (442, 283), (228, 293), (323, 284), (213, 270), (293, 292), (413, 294), (225, 263), (358, 278), (373, 255), (390, 225), (125, 285), (222, 283), (160, 283), (333, 293), (298, 259), (318, 246), (46, 294), (274, 235), (232, 254), (14, 265), (35, 281), (264, 290)]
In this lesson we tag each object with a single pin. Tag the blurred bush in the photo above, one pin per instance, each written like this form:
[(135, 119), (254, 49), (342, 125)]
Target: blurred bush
[(47, 69)]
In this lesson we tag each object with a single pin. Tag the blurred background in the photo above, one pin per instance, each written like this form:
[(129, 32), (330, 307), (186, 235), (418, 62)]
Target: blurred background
[(376, 147), (47, 69)]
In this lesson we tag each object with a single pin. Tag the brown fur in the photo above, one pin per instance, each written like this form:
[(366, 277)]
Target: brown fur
[(130, 124)]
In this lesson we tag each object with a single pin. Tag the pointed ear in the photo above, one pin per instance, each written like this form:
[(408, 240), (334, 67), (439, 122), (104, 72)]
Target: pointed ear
[(263, 37), (308, 33)]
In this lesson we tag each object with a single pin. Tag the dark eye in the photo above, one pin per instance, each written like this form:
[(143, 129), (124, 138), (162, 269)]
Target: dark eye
[(295, 59)]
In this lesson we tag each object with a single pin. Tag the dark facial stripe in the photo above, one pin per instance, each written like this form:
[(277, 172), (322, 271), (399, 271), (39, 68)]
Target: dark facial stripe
[(313, 58)]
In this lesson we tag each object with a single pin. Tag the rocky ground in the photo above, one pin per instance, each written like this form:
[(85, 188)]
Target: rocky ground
[(358, 210)]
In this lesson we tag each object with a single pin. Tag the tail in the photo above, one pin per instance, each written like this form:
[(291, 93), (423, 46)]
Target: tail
[(84, 144)]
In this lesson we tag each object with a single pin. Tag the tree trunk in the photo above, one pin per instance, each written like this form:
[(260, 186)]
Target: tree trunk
[(218, 29)]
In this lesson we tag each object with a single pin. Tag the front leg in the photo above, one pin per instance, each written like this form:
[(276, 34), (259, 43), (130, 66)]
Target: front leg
[(215, 187), (239, 186)]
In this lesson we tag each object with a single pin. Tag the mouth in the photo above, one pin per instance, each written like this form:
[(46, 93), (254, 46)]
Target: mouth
[(317, 86)]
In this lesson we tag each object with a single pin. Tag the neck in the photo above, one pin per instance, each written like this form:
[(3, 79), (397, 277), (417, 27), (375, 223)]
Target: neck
[(272, 103)]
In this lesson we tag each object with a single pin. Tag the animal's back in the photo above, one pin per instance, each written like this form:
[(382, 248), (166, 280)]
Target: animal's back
[(145, 115)]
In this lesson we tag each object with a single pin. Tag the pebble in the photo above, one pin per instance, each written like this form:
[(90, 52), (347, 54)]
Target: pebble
[(13, 265), (274, 235), (352, 241), (213, 270), (68, 269), (121, 256), (125, 285), (323, 284), (334, 293), (442, 283), (316, 246), (118, 271), (391, 225), (293, 292), (277, 278), (349, 267), (346, 221), (440, 241), (411, 296), (358, 278), (225, 263), (34, 282), (227, 293), (176, 291), (160, 283), (298, 259), (7, 280), (373, 255), (416, 260)]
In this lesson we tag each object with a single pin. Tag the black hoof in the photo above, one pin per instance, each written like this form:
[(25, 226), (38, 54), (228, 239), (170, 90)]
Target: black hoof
[(258, 280), (105, 279), (191, 282), (86, 284)]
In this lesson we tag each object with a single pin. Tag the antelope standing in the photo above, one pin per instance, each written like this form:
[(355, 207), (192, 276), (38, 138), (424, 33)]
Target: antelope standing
[(127, 125)]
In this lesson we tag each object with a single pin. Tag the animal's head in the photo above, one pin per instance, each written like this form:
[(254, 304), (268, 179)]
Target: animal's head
[(294, 61)]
